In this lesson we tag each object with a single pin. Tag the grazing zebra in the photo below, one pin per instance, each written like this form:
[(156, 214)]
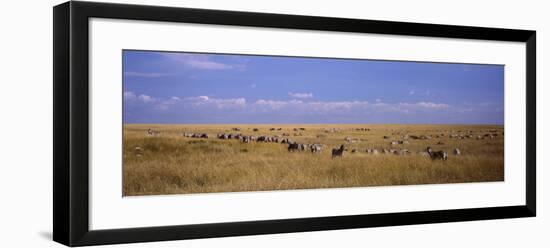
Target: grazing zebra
[(315, 148), (436, 155), (293, 147), (152, 132), (286, 141), (424, 154), (338, 152)]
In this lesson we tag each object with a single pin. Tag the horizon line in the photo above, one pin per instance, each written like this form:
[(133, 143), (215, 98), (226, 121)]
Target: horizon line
[(449, 124)]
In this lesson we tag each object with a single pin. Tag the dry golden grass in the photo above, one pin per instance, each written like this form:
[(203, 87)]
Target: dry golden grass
[(173, 164)]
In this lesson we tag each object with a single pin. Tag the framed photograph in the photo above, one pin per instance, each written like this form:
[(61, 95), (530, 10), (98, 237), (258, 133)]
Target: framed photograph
[(178, 123)]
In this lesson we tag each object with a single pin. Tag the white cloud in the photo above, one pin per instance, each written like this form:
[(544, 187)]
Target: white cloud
[(293, 106), (198, 98), (411, 92), (129, 95), (165, 104), (146, 98), (298, 106), (274, 104), (146, 74), (301, 95), (432, 105), (218, 103), (201, 61), (419, 106), (132, 97)]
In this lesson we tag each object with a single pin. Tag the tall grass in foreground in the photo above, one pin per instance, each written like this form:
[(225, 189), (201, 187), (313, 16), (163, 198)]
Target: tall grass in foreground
[(172, 164)]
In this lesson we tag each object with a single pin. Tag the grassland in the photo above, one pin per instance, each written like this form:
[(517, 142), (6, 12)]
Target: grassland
[(172, 164)]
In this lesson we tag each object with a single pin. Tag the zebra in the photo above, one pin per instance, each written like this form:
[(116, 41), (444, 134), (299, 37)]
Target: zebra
[(293, 147), (286, 141), (456, 151), (315, 148), (436, 155), (152, 132), (338, 152)]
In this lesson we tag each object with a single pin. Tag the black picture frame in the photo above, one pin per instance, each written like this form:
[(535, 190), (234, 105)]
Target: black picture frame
[(71, 130)]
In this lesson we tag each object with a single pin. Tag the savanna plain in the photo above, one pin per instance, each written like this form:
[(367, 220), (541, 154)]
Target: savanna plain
[(167, 159)]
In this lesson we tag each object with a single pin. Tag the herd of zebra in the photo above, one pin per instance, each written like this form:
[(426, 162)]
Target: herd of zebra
[(317, 148), (292, 145)]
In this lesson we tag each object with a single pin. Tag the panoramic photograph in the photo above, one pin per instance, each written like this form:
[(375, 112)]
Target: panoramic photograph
[(206, 123)]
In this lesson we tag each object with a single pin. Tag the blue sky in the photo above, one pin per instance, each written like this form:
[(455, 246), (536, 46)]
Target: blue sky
[(170, 87)]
